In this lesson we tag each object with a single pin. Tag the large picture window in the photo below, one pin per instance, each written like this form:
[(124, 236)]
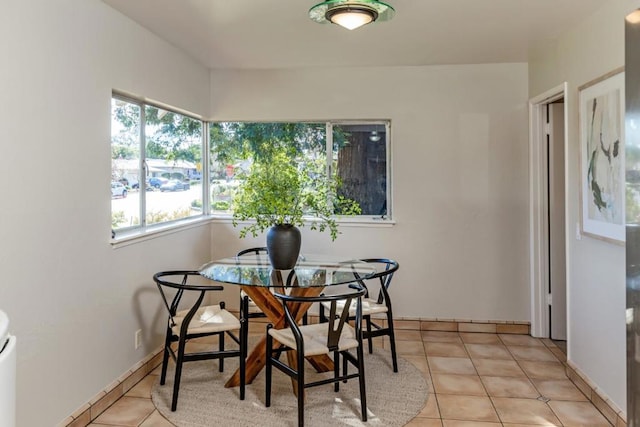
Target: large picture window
[(156, 158), (356, 153), (164, 170)]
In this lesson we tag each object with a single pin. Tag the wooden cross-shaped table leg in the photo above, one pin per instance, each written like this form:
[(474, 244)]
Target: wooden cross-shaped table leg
[(272, 307)]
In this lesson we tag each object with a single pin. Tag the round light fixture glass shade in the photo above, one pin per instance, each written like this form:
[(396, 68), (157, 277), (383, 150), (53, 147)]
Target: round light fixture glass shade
[(351, 18), (351, 14)]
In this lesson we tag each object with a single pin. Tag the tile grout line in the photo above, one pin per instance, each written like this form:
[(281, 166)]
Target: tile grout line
[(435, 394)]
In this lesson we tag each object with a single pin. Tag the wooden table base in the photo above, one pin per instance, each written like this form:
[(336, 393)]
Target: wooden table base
[(274, 311)]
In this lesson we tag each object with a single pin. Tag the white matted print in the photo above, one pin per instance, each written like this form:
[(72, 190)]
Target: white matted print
[(602, 157)]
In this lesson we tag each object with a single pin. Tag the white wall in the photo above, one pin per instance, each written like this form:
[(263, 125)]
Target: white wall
[(596, 291), (73, 301), (459, 159)]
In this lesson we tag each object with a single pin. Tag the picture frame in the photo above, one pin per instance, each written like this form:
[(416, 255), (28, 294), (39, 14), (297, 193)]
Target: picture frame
[(602, 167)]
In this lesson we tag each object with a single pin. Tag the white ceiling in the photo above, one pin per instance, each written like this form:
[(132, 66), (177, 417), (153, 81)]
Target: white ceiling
[(279, 33)]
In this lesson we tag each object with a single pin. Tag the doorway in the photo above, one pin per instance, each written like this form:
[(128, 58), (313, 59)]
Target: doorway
[(548, 219)]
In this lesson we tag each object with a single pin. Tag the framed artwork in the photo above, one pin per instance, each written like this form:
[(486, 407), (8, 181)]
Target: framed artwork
[(602, 164)]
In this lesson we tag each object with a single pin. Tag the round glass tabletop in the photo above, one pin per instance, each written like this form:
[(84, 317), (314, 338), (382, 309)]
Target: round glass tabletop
[(311, 270)]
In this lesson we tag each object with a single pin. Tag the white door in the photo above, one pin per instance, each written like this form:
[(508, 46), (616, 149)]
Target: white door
[(557, 261)]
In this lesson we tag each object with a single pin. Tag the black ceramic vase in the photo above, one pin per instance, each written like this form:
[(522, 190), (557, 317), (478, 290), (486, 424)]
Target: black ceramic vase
[(283, 244)]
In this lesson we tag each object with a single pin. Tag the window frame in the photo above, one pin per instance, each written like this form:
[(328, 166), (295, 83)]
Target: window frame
[(329, 124), (128, 233), (388, 217)]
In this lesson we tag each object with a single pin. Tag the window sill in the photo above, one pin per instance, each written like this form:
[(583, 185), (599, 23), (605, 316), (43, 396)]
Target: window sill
[(366, 222), (342, 222), (135, 236)]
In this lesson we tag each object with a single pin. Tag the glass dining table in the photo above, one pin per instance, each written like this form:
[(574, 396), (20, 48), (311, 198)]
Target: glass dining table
[(311, 276)]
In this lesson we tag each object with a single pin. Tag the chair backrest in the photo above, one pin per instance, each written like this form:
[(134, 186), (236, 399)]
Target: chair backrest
[(261, 257), (173, 284), (254, 251), (386, 269), (275, 275), (336, 320), (260, 251)]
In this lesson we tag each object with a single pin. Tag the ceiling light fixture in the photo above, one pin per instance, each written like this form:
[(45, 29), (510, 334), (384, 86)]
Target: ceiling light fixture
[(351, 14)]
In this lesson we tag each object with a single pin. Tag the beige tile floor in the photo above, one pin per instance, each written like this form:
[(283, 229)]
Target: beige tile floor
[(477, 379)]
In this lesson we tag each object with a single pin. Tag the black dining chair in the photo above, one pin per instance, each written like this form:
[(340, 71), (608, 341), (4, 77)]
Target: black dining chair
[(380, 305), (251, 309), (335, 336), (196, 322)]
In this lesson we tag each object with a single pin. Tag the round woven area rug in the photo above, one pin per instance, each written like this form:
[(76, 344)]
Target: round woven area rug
[(392, 398)]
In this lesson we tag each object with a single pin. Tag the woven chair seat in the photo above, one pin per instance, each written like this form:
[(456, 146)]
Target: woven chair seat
[(208, 319), (369, 307), (315, 338)]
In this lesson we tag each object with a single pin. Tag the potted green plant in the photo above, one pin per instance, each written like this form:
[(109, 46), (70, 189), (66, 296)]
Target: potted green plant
[(277, 193)]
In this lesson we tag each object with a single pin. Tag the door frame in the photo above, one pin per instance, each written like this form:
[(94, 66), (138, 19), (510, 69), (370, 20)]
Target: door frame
[(538, 207)]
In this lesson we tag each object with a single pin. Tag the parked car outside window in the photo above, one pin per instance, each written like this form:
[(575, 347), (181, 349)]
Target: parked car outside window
[(118, 190), (175, 185), (157, 182)]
